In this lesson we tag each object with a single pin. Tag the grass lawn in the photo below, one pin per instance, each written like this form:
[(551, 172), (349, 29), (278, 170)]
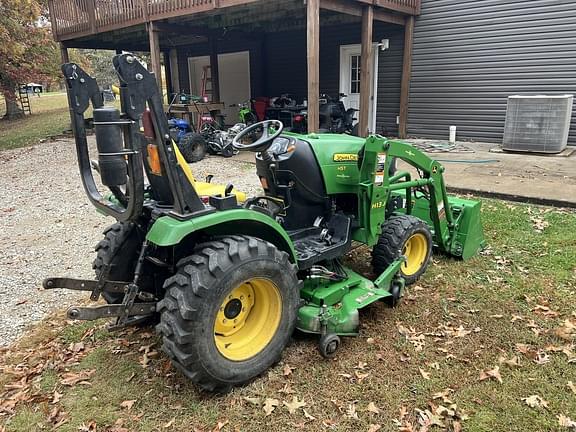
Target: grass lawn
[(49, 117), (481, 345)]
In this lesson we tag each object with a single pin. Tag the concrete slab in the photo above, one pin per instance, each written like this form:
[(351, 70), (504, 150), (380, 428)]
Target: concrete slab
[(478, 169), (547, 179)]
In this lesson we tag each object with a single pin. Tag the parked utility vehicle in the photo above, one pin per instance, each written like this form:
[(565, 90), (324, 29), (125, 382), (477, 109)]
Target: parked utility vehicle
[(227, 281)]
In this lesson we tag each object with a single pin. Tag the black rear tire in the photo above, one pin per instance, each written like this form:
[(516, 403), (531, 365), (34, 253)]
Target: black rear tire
[(204, 287), (397, 233), (118, 250), (193, 147)]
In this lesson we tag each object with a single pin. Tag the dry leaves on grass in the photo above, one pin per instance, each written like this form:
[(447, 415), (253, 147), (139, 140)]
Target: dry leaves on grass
[(566, 422), (373, 408), (567, 331), (416, 339), (270, 405), (539, 223), (491, 374), (571, 386), (77, 378), (295, 405), (512, 362), (535, 401), (287, 370), (128, 404), (425, 375)]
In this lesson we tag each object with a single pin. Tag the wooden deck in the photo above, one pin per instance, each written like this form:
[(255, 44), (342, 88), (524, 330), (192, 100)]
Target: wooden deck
[(78, 18)]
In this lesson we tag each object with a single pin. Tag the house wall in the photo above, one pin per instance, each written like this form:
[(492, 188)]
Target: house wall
[(278, 65), (470, 56)]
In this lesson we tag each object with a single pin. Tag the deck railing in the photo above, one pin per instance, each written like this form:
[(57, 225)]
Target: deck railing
[(77, 18)]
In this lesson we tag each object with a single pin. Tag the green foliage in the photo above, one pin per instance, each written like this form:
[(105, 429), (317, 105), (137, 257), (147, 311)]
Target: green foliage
[(25, 44)]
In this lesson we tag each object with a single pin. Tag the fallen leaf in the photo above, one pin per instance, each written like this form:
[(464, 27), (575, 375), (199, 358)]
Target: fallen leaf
[(270, 405), (539, 223), (220, 425), (571, 386), (374, 428), (294, 405), (491, 373), (361, 365), (566, 331), (287, 369), (361, 376), (535, 401), (169, 424), (308, 415), (426, 418), (545, 310), (425, 375), (404, 358), (373, 408), (252, 400), (351, 411), (512, 362), (56, 397), (74, 378), (90, 427), (541, 358), (128, 404), (370, 341), (443, 395), (287, 389), (566, 422)]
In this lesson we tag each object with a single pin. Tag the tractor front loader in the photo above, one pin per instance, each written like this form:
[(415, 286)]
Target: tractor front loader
[(228, 278)]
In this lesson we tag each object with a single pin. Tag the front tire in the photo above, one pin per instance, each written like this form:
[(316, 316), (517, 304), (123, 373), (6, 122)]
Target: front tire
[(229, 311), (404, 235), (193, 147)]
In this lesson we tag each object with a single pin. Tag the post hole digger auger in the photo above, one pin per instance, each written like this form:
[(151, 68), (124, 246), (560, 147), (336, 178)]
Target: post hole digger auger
[(229, 278)]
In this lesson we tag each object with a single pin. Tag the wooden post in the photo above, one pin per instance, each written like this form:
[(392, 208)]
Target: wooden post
[(214, 73), (406, 76), (64, 53), (174, 73), (366, 70), (313, 55), (155, 54), (92, 16)]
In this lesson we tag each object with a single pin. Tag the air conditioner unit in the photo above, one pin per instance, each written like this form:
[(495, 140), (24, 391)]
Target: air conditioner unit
[(537, 123)]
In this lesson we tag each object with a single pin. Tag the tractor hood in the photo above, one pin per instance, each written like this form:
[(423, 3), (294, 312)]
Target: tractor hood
[(337, 155)]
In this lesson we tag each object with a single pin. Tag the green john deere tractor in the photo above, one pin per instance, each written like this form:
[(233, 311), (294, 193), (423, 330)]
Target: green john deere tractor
[(227, 278)]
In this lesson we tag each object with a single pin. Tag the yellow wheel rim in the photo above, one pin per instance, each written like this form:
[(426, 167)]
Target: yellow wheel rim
[(248, 319), (415, 250)]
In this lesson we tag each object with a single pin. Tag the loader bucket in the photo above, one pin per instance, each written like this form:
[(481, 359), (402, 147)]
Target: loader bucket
[(469, 236)]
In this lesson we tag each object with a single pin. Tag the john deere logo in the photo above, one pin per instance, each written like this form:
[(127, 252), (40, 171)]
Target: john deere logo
[(345, 157)]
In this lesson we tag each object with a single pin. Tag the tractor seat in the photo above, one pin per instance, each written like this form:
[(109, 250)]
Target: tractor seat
[(204, 188)]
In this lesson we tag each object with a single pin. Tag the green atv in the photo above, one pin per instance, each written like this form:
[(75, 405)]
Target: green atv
[(228, 278)]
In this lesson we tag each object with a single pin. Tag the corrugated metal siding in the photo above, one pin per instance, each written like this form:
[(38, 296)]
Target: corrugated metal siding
[(469, 56), (278, 65)]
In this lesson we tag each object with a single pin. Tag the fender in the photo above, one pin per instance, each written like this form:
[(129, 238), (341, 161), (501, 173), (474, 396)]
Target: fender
[(168, 231)]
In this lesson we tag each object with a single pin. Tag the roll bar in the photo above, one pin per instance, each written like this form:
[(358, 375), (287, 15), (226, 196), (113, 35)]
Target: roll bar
[(138, 90)]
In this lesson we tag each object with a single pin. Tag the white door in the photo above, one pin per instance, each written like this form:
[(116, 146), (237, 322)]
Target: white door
[(350, 79), (234, 80), (234, 73)]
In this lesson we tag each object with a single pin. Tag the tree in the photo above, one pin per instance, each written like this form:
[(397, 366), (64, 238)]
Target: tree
[(26, 48)]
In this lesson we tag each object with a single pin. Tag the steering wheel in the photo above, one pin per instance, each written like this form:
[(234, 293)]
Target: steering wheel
[(265, 139)]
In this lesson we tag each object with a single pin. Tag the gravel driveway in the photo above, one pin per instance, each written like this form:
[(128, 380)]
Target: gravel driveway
[(49, 228)]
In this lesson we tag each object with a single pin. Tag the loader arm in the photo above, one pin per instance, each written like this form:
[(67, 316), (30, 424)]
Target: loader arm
[(455, 222), (432, 171)]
